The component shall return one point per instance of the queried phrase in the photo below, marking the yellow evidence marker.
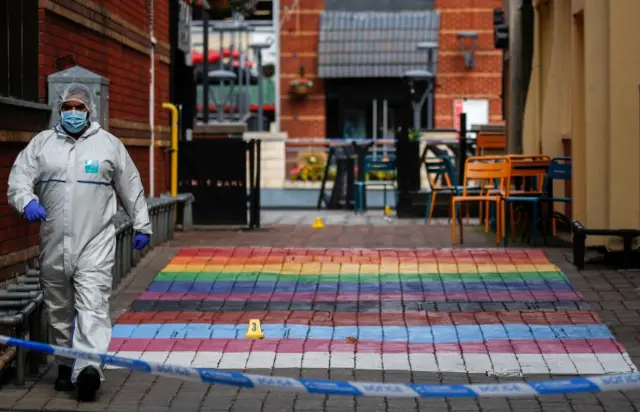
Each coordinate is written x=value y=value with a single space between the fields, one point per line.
x=254 y=331
x=318 y=224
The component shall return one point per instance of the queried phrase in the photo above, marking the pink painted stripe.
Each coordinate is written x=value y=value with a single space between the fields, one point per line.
x=354 y=297
x=325 y=345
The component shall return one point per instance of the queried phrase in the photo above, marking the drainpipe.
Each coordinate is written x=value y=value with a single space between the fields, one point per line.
x=152 y=98
x=276 y=27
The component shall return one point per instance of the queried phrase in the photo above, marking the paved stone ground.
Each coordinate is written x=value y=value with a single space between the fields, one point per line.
x=611 y=293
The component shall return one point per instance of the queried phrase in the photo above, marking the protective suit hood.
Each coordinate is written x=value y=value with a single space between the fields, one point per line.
x=94 y=128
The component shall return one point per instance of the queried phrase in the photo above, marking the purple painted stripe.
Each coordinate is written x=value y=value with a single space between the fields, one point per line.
x=354 y=296
x=325 y=345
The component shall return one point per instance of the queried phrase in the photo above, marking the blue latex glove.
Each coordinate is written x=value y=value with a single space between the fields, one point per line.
x=140 y=241
x=34 y=211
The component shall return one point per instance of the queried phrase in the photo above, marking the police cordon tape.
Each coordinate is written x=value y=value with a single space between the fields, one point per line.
x=329 y=387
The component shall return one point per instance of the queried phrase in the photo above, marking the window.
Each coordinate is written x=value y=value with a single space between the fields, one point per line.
x=19 y=49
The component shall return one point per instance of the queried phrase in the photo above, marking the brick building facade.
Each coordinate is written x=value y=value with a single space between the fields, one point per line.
x=299 y=38
x=108 y=37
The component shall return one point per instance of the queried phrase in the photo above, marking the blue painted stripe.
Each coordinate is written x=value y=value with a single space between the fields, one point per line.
x=227 y=286
x=413 y=334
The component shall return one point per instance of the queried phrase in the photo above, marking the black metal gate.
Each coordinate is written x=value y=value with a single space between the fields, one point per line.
x=215 y=171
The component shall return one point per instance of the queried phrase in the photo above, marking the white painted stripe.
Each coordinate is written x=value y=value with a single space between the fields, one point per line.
x=207 y=360
x=556 y=364
x=234 y=360
x=504 y=362
x=396 y=361
x=317 y=360
x=584 y=364
x=288 y=360
x=531 y=364
x=477 y=362
x=559 y=363
x=614 y=363
x=451 y=362
x=367 y=361
x=179 y=358
x=261 y=360
x=348 y=361
x=423 y=362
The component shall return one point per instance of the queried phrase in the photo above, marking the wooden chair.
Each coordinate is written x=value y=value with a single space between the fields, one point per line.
x=489 y=140
x=494 y=168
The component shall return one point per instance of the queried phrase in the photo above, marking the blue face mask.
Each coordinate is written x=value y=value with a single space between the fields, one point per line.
x=74 y=121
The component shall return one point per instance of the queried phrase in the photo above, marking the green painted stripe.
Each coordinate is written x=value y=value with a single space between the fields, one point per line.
x=374 y=278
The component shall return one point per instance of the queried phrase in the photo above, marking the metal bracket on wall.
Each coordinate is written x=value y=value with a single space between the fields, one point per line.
x=288 y=11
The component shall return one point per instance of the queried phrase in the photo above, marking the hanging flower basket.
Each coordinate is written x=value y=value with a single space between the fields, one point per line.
x=268 y=70
x=301 y=87
x=243 y=7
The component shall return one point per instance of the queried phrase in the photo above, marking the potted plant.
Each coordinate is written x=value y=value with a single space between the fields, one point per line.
x=301 y=87
x=243 y=7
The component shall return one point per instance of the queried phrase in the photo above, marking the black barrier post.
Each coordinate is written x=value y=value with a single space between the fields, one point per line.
x=252 y=183
x=322 y=197
x=205 y=66
x=361 y=151
x=462 y=148
x=258 y=185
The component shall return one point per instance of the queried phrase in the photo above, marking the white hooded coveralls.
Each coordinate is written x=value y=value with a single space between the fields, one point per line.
x=76 y=181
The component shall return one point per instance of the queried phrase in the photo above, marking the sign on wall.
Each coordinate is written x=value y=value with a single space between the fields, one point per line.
x=477 y=111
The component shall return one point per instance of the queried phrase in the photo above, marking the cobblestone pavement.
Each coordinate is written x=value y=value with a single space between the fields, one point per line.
x=586 y=299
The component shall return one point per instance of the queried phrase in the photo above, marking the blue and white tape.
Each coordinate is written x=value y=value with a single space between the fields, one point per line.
x=328 y=387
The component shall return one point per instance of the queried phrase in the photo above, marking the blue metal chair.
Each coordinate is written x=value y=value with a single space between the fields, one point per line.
x=375 y=163
x=559 y=169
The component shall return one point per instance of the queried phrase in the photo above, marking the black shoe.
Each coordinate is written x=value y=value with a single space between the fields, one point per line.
x=63 y=381
x=88 y=384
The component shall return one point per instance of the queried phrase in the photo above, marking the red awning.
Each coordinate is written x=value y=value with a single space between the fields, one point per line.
x=214 y=55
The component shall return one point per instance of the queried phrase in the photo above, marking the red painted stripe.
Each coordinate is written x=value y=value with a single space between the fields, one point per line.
x=294 y=296
x=573 y=346
x=274 y=255
x=367 y=319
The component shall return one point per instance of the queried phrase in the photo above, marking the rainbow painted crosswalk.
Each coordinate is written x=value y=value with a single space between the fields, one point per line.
x=470 y=311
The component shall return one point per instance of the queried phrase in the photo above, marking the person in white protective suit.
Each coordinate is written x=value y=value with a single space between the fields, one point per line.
x=68 y=178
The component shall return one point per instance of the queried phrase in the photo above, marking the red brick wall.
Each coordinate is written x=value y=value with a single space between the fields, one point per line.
x=299 y=44
x=127 y=69
x=299 y=38
x=62 y=33
x=15 y=234
x=454 y=79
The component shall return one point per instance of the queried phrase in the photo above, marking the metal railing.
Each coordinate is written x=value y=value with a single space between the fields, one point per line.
x=299 y=150
x=21 y=302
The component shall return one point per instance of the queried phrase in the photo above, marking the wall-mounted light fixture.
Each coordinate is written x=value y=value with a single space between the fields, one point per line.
x=468 y=41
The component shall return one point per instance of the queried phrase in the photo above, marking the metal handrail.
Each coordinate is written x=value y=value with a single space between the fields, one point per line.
x=21 y=302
